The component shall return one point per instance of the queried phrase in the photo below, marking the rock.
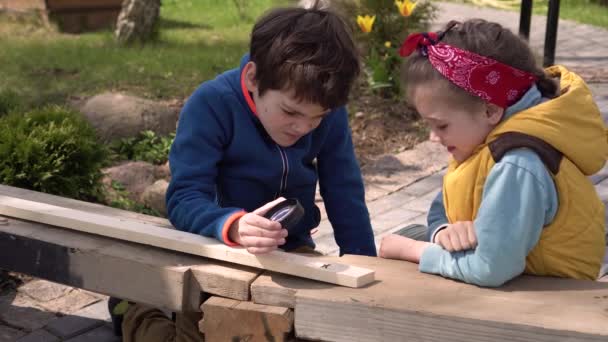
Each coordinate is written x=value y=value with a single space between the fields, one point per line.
x=44 y=291
x=163 y=171
x=18 y=310
x=9 y=334
x=154 y=196
x=115 y=115
x=134 y=176
x=71 y=302
x=137 y=20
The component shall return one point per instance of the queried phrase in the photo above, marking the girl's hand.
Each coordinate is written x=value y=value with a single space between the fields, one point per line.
x=256 y=233
x=459 y=236
x=399 y=247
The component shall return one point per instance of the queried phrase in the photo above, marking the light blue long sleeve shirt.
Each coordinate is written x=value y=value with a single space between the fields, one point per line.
x=519 y=199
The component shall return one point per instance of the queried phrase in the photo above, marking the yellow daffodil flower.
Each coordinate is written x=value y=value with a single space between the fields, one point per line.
x=387 y=44
x=406 y=7
x=366 y=22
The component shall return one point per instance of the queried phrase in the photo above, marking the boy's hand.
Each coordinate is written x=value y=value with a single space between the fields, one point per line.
x=395 y=246
x=257 y=233
x=459 y=236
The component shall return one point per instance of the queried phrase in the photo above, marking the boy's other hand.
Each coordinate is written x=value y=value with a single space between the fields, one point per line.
x=256 y=233
x=459 y=236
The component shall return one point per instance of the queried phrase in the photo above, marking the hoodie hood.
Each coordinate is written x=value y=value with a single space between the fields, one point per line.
x=571 y=123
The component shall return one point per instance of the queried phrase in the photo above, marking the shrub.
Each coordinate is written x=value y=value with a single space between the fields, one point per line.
x=147 y=146
x=381 y=39
x=9 y=101
x=53 y=150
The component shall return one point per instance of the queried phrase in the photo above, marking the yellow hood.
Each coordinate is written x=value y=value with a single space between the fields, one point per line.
x=571 y=123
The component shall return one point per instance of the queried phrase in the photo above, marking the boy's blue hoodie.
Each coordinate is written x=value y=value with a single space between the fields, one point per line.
x=223 y=162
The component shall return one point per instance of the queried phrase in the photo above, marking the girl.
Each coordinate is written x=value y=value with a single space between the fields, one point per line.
x=516 y=197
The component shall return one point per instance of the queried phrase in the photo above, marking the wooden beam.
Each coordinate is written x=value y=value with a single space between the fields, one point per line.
x=232 y=320
x=144 y=274
x=408 y=305
x=154 y=235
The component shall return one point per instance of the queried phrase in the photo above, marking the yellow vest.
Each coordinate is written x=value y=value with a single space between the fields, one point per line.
x=573 y=244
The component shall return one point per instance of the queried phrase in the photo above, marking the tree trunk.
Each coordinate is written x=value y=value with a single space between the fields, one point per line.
x=137 y=21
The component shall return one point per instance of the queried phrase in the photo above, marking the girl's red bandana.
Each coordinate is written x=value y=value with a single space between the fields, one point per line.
x=481 y=76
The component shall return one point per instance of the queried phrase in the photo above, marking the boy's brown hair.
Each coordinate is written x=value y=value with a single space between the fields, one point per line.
x=483 y=38
x=310 y=51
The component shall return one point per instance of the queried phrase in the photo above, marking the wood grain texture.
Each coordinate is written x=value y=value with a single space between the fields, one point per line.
x=231 y=320
x=404 y=304
x=150 y=234
x=140 y=273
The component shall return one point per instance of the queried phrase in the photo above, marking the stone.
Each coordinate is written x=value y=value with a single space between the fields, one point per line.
x=116 y=115
x=137 y=20
x=97 y=311
x=44 y=291
x=9 y=334
x=19 y=310
x=154 y=196
x=135 y=176
x=71 y=302
x=163 y=171
x=394 y=172
x=72 y=325
x=39 y=335
x=102 y=334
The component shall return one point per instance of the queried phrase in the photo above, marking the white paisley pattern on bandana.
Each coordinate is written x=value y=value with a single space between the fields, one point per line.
x=481 y=76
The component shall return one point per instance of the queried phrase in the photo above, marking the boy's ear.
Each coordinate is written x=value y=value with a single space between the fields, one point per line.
x=250 y=80
x=494 y=113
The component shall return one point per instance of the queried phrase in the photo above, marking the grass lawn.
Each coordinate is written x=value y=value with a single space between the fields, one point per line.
x=582 y=11
x=198 y=39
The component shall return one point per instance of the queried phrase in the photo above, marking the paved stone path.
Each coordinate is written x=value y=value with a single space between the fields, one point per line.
x=399 y=189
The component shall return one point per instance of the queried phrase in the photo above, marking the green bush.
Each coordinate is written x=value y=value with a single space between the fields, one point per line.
x=382 y=63
x=147 y=146
x=53 y=150
x=9 y=101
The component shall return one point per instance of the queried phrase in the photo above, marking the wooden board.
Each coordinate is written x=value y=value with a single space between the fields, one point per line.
x=405 y=304
x=232 y=320
x=144 y=274
x=153 y=235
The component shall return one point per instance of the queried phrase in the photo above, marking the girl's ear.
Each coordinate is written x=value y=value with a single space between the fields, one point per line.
x=494 y=113
x=250 y=81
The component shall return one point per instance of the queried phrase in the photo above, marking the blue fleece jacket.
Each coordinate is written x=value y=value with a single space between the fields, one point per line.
x=223 y=162
x=519 y=199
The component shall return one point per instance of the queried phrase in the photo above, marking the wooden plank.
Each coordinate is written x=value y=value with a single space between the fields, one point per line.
x=405 y=304
x=42 y=197
x=140 y=273
x=150 y=234
x=231 y=320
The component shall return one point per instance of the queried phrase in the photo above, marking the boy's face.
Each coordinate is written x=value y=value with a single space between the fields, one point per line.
x=285 y=118
x=457 y=127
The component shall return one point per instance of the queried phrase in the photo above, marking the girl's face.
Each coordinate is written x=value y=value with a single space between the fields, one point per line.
x=458 y=127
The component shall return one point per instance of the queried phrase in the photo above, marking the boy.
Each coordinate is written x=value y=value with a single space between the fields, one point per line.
x=266 y=131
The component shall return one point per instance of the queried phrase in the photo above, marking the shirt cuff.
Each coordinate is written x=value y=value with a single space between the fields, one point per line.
x=227 y=225
x=430 y=259
x=442 y=227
